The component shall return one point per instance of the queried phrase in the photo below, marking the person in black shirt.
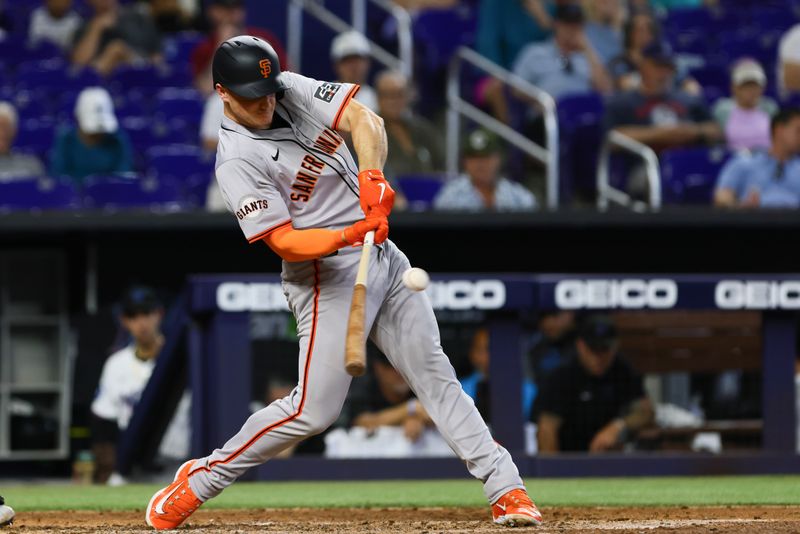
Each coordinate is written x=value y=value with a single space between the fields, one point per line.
x=594 y=401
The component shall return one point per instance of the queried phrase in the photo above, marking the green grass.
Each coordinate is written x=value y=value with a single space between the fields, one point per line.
x=740 y=490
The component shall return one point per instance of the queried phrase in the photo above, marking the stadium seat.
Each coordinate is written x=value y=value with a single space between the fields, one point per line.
x=35 y=135
x=688 y=175
x=178 y=49
x=38 y=194
x=130 y=191
x=580 y=122
x=178 y=103
x=187 y=167
x=419 y=189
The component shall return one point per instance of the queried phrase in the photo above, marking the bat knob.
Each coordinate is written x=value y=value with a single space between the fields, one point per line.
x=355 y=368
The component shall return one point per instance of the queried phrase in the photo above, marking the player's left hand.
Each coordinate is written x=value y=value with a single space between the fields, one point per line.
x=375 y=194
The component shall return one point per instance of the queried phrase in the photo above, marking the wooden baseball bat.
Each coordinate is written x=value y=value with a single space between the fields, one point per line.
x=355 y=349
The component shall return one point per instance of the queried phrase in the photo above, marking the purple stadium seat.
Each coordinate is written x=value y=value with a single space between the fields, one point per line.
x=178 y=49
x=441 y=31
x=419 y=189
x=712 y=77
x=130 y=191
x=186 y=166
x=176 y=103
x=688 y=175
x=38 y=194
x=35 y=135
x=689 y=18
x=580 y=121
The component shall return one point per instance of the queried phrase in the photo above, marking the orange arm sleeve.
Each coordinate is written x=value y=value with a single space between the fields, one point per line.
x=302 y=245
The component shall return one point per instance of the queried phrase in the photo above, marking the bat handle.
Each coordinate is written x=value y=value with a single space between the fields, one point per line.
x=355 y=352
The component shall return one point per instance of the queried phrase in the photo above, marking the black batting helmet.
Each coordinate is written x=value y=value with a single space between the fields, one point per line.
x=247 y=66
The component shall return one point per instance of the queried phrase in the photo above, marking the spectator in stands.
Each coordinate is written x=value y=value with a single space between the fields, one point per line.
x=414 y=143
x=766 y=179
x=604 y=27
x=789 y=61
x=14 y=165
x=657 y=115
x=124 y=377
x=745 y=118
x=476 y=385
x=169 y=16
x=226 y=18
x=594 y=402
x=481 y=188
x=97 y=145
x=213 y=111
x=552 y=344
x=54 y=22
x=639 y=31
x=116 y=36
x=666 y=5
x=567 y=63
x=505 y=27
x=351 y=63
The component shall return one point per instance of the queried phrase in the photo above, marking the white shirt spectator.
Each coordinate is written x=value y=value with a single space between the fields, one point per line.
x=45 y=27
x=460 y=194
x=121 y=384
x=213 y=112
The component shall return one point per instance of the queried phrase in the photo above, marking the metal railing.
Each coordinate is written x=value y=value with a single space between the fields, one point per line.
x=458 y=106
x=404 y=61
x=606 y=193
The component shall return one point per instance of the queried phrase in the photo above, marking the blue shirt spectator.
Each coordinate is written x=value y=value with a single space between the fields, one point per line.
x=97 y=145
x=604 y=29
x=481 y=188
x=505 y=27
x=765 y=179
x=567 y=63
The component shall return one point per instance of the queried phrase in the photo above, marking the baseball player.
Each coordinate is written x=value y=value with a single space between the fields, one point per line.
x=286 y=174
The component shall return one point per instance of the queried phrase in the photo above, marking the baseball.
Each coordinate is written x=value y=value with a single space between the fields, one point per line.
x=6 y=515
x=416 y=279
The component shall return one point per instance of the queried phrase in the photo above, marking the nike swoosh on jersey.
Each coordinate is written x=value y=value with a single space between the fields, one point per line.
x=160 y=504
x=275 y=157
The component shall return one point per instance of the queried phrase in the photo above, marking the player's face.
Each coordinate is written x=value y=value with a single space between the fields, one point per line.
x=143 y=327
x=596 y=362
x=255 y=113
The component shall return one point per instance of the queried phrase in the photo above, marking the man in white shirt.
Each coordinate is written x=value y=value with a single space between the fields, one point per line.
x=125 y=375
x=55 y=22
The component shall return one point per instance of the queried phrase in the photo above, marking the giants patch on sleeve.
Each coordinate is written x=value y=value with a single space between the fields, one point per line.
x=327 y=91
x=249 y=207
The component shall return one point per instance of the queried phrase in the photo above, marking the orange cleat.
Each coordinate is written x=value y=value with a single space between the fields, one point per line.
x=516 y=509
x=172 y=505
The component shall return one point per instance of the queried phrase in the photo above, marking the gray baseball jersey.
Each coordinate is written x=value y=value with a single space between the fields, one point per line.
x=299 y=172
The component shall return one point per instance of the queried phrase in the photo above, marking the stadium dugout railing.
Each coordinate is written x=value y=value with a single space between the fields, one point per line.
x=608 y=194
x=403 y=61
x=457 y=106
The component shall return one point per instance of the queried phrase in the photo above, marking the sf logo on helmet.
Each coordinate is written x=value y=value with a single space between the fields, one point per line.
x=266 y=67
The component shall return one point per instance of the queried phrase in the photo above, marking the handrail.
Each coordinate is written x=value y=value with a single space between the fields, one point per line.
x=606 y=193
x=403 y=63
x=458 y=106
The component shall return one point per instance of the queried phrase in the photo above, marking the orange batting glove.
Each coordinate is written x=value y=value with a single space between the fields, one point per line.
x=376 y=196
x=354 y=234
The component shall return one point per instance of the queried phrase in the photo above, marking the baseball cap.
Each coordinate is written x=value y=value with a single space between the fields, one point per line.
x=480 y=142
x=660 y=52
x=748 y=70
x=350 y=43
x=597 y=330
x=139 y=300
x=569 y=13
x=95 y=111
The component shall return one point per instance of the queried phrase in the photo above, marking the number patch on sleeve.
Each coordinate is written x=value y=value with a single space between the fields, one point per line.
x=327 y=91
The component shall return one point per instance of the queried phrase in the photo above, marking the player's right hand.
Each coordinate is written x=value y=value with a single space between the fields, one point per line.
x=354 y=234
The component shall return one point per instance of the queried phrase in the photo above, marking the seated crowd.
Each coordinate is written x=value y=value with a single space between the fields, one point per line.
x=143 y=69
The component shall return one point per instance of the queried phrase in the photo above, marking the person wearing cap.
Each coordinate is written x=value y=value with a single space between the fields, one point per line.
x=14 y=165
x=745 y=118
x=765 y=178
x=125 y=375
x=481 y=188
x=351 y=63
x=656 y=114
x=226 y=19
x=789 y=61
x=567 y=63
x=97 y=145
x=414 y=143
x=595 y=401
x=115 y=36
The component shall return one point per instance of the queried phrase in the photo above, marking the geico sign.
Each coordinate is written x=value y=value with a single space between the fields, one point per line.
x=467 y=295
x=608 y=294
x=757 y=295
x=238 y=296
